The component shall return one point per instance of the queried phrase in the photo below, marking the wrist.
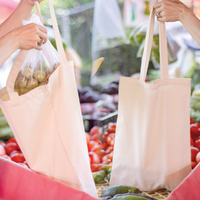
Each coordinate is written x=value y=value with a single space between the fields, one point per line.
x=185 y=14
x=12 y=40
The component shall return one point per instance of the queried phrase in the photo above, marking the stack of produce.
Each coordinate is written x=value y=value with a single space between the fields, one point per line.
x=195 y=142
x=11 y=151
x=100 y=144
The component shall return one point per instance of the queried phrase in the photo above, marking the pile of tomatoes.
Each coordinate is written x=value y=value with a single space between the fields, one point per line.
x=100 y=144
x=11 y=151
x=194 y=142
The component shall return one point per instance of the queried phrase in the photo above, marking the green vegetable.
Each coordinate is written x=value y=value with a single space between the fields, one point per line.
x=99 y=177
x=3 y=121
x=132 y=196
x=108 y=176
x=195 y=103
x=119 y=189
x=5 y=131
x=129 y=198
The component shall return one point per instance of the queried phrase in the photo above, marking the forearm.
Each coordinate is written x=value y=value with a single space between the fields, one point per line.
x=8 y=46
x=192 y=24
x=22 y=11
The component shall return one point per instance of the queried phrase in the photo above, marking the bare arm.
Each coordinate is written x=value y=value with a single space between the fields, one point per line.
x=171 y=11
x=22 y=11
x=24 y=37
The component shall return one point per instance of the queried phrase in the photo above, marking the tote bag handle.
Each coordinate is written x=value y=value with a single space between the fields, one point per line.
x=61 y=51
x=23 y=53
x=148 y=45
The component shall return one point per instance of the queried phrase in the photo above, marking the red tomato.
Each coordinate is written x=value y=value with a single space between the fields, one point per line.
x=94 y=167
x=198 y=157
x=104 y=136
x=196 y=137
x=198 y=125
x=192 y=121
x=106 y=157
x=191 y=142
x=90 y=159
x=194 y=129
x=197 y=144
x=112 y=127
x=96 y=137
x=109 y=149
x=99 y=142
x=99 y=151
x=111 y=139
x=87 y=137
x=111 y=153
x=26 y=164
x=6 y=156
x=12 y=140
x=15 y=151
x=11 y=146
x=107 y=161
x=193 y=164
x=2 y=143
x=2 y=150
x=99 y=167
x=91 y=144
x=105 y=145
x=95 y=130
x=194 y=152
x=17 y=157
x=94 y=158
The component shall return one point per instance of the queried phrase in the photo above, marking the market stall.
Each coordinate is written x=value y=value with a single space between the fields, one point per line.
x=132 y=133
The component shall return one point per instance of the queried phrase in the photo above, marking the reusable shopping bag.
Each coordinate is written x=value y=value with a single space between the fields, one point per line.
x=152 y=144
x=47 y=123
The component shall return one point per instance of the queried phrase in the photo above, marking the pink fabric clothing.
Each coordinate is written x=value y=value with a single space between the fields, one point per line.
x=20 y=183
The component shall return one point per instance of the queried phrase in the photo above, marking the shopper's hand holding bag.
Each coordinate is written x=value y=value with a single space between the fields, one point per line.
x=152 y=144
x=47 y=123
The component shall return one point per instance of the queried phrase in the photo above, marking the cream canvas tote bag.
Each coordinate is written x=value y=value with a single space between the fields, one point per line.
x=47 y=123
x=152 y=144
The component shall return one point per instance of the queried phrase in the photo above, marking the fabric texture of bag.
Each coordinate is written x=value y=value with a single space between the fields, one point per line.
x=47 y=123
x=152 y=144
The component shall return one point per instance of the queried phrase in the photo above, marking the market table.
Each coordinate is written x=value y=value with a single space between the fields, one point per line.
x=18 y=182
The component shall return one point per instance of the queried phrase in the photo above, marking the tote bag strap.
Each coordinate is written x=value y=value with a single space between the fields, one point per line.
x=148 y=45
x=61 y=51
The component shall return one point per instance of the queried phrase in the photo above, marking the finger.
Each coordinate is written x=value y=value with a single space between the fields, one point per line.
x=160 y=19
x=158 y=5
x=38 y=47
x=42 y=36
x=42 y=28
x=158 y=10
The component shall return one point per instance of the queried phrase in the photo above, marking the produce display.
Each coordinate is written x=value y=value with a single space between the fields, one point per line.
x=11 y=151
x=122 y=192
x=100 y=144
x=195 y=142
x=29 y=78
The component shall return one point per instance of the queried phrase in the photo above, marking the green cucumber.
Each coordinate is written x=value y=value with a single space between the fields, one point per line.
x=131 y=195
x=118 y=189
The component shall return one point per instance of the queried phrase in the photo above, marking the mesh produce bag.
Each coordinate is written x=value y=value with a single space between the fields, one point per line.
x=38 y=65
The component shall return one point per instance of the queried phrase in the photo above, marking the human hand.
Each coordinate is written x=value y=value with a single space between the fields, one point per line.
x=170 y=10
x=31 y=2
x=30 y=36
